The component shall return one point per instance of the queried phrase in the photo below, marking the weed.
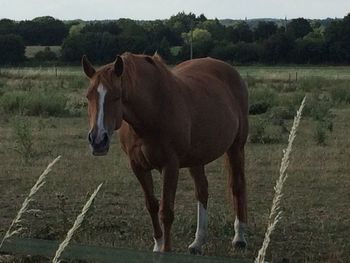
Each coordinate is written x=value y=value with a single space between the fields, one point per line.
x=320 y=133
x=261 y=131
x=341 y=94
x=319 y=106
x=23 y=138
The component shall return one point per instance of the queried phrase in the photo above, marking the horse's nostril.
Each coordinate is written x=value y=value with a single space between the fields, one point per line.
x=105 y=138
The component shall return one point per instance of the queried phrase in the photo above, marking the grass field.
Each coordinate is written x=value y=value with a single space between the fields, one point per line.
x=316 y=211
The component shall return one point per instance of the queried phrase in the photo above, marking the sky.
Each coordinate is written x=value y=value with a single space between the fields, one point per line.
x=161 y=9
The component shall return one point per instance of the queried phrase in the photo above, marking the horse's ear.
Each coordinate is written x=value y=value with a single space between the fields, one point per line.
x=88 y=68
x=119 y=66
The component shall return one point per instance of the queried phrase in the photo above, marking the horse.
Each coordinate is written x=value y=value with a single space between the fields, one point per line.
x=168 y=119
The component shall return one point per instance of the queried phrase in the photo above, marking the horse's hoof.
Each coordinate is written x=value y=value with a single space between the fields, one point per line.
x=195 y=250
x=239 y=245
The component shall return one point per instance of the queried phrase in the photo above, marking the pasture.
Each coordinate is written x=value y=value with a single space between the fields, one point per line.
x=43 y=115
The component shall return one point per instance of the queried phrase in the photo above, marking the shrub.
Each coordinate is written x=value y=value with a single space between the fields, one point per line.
x=46 y=55
x=34 y=103
x=261 y=100
x=319 y=107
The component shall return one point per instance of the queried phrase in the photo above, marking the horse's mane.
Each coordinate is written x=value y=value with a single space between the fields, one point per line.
x=156 y=60
x=130 y=65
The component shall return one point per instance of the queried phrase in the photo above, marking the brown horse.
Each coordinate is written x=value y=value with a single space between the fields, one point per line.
x=186 y=117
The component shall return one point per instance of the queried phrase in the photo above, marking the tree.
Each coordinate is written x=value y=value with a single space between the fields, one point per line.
x=111 y=27
x=278 y=48
x=157 y=31
x=133 y=36
x=7 y=26
x=99 y=47
x=298 y=28
x=12 y=49
x=223 y=50
x=164 y=49
x=310 y=51
x=337 y=37
x=76 y=29
x=264 y=30
x=202 y=42
x=215 y=28
x=182 y=22
x=241 y=32
x=247 y=52
x=46 y=31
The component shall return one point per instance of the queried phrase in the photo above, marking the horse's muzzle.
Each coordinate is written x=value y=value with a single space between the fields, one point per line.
x=99 y=147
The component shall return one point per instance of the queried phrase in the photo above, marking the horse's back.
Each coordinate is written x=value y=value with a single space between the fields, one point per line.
x=210 y=74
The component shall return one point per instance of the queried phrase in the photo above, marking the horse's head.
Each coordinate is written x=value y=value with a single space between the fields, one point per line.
x=104 y=103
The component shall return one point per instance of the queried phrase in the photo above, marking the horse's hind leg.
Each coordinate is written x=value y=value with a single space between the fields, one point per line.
x=152 y=204
x=201 y=191
x=237 y=190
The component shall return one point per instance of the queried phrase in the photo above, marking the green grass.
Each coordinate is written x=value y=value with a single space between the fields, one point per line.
x=316 y=215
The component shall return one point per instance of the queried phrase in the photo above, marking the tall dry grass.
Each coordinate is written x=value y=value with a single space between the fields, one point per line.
x=275 y=213
x=15 y=227
x=75 y=226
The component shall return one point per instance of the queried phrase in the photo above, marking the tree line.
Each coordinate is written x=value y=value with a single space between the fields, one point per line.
x=297 y=41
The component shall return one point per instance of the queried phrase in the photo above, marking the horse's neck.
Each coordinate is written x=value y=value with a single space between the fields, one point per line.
x=148 y=99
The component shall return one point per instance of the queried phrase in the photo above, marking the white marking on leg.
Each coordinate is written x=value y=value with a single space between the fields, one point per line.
x=202 y=229
x=100 y=122
x=158 y=243
x=239 y=231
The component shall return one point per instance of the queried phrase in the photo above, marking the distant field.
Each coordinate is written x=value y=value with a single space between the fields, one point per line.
x=316 y=211
x=32 y=50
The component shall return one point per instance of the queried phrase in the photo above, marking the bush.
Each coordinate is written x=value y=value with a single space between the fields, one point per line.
x=261 y=100
x=34 y=103
x=46 y=55
x=318 y=107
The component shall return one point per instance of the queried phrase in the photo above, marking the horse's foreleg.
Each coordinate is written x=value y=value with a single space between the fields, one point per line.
x=146 y=181
x=237 y=188
x=170 y=173
x=201 y=191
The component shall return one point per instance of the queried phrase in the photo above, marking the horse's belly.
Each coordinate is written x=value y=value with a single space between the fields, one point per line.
x=210 y=139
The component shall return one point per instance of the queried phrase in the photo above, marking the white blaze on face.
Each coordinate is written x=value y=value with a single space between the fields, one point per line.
x=100 y=116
